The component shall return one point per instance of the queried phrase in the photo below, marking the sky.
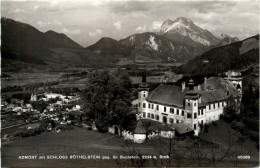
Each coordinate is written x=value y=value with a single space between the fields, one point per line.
x=86 y=21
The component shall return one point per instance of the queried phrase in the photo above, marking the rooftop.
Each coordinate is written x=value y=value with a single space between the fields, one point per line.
x=215 y=89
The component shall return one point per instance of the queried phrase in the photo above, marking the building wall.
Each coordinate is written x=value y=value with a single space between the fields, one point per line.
x=172 y=114
x=214 y=110
x=139 y=138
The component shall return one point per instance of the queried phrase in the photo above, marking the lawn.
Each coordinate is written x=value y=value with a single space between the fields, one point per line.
x=220 y=133
x=79 y=141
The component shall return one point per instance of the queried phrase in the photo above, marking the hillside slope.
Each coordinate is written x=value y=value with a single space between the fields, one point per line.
x=237 y=55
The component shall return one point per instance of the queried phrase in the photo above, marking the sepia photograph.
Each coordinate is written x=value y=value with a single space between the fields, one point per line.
x=129 y=83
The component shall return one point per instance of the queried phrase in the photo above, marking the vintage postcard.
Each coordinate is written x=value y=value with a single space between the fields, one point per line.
x=120 y=83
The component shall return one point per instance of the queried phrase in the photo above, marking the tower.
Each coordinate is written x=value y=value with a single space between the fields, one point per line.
x=143 y=91
x=34 y=95
x=191 y=106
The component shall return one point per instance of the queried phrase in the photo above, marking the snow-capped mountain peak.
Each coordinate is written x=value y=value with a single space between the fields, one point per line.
x=166 y=24
x=185 y=28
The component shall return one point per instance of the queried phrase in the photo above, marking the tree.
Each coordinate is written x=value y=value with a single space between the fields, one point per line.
x=107 y=99
x=230 y=111
x=53 y=125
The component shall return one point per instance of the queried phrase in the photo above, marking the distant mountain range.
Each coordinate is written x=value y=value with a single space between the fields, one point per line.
x=178 y=41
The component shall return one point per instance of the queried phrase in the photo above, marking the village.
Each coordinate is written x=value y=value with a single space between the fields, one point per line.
x=58 y=108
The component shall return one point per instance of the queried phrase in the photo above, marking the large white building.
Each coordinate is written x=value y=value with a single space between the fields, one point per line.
x=171 y=104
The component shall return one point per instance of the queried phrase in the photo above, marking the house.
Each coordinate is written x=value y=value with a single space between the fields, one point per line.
x=139 y=132
x=193 y=106
x=235 y=78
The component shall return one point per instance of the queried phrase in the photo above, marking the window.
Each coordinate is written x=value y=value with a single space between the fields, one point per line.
x=222 y=104
x=188 y=104
x=144 y=114
x=171 y=121
x=209 y=106
x=152 y=116
x=164 y=120
x=157 y=107
x=201 y=122
x=177 y=121
x=199 y=113
x=152 y=106
x=188 y=115
x=157 y=117
x=149 y=105
x=202 y=112
x=218 y=105
x=172 y=110
x=148 y=115
x=182 y=113
x=195 y=115
x=144 y=105
x=144 y=95
x=139 y=104
x=195 y=126
x=177 y=111
x=194 y=104
x=214 y=106
x=164 y=109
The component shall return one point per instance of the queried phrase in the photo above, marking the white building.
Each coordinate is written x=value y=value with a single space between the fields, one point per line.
x=171 y=104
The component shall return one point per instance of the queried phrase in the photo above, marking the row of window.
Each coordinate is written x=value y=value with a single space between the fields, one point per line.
x=151 y=106
x=201 y=112
x=157 y=117
x=170 y=120
x=152 y=116
x=189 y=115
x=218 y=105
x=190 y=103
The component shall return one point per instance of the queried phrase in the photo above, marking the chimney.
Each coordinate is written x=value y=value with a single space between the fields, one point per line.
x=205 y=83
x=205 y=80
x=144 y=79
x=227 y=86
x=183 y=86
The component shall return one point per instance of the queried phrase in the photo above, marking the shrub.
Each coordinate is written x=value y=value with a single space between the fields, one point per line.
x=89 y=128
x=64 y=127
x=206 y=128
x=28 y=133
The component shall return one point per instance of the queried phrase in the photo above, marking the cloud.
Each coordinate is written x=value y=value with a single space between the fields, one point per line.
x=129 y=6
x=135 y=16
x=69 y=31
x=96 y=32
x=41 y=23
x=141 y=28
x=16 y=11
x=47 y=23
x=156 y=25
x=118 y=24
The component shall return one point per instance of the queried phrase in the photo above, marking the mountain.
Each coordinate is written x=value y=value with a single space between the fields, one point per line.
x=185 y=31
x=179 y=40
x=238 y=55
x=23 y=42
x=226 y=39
x=152 y=47
x=109 y=46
